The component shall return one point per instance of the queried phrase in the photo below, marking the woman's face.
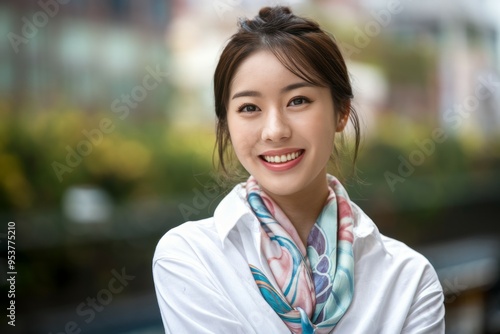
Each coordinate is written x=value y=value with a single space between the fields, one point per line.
x=281 y=127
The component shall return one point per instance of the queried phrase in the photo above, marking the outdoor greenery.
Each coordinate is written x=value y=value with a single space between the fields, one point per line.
x=137 y=158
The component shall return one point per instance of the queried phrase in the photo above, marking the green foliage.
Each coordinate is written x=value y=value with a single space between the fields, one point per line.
x=137 y=158
x=441 y=174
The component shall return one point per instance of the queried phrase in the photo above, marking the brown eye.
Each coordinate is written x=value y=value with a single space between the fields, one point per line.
x=298 y=101
x=247 y=108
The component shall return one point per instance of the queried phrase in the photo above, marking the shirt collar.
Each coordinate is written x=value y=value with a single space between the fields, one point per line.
x=234 y=208
x=364 y=227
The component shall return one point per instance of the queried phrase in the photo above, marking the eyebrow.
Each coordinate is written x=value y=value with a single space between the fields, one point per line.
x=283 y=90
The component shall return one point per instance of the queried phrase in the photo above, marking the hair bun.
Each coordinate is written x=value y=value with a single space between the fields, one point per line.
x=266 y=13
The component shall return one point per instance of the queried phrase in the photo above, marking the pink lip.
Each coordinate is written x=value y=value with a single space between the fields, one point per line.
x=282 y=166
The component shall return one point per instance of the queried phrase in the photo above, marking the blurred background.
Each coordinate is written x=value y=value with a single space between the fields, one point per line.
x=107 y=132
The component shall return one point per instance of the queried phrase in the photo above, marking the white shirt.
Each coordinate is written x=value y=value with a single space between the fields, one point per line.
x=204 y=285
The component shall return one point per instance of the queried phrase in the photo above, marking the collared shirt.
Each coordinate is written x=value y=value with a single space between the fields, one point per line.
x=204 y=285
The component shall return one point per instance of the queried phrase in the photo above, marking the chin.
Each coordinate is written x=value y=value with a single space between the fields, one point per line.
x=280 y=185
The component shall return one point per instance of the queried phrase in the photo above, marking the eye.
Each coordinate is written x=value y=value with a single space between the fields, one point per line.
x=248 y=108
x=298 y=101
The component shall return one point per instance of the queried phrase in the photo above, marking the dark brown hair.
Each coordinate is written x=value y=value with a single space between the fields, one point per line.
x=301 y=46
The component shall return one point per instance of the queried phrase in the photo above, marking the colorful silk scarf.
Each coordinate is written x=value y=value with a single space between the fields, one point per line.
x=309 y=289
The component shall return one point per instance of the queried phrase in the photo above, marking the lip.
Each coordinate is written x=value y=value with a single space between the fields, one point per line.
x=282 y=166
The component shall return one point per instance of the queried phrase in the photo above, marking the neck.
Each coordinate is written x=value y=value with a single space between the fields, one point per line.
x=304 y=207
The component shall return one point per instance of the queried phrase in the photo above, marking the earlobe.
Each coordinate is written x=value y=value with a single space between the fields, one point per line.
x=342 y=122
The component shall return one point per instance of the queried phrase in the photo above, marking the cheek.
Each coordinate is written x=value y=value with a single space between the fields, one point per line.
x=322 y=129
x=240 y=135
x=327 y=139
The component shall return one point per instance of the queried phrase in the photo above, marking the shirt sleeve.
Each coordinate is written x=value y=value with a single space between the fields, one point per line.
x=190 y=301
x=426 y=314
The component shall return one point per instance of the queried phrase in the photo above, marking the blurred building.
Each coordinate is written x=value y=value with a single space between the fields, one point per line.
x=461 y=90
x=82 y=53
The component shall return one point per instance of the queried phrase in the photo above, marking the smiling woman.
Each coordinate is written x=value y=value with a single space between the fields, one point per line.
x=287 y=251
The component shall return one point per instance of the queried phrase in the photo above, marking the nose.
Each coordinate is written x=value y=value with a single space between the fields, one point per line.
x=276 y=127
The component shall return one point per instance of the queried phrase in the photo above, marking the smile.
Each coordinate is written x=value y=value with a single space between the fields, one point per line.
x=279 y=159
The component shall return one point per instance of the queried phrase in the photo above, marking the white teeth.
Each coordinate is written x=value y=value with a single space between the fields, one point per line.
x=281 y=158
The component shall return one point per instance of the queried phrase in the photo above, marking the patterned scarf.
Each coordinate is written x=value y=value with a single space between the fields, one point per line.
x=309 y=289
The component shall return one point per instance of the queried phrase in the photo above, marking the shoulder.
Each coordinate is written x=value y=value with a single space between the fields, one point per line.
x=203 y=240
x=403 y=253
x=186 y=240
x=392 y=258
x=410 y=263
x=399 y=278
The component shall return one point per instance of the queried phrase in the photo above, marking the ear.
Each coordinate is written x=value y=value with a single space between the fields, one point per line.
x=343 y=118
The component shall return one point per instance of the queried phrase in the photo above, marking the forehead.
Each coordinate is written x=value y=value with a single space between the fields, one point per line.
x=261 y=65
x=264 y=65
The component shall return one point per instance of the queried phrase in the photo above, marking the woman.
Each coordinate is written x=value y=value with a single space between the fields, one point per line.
x=287 y=251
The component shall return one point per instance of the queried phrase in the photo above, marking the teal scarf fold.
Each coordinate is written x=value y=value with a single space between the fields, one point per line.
x=310 y=289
